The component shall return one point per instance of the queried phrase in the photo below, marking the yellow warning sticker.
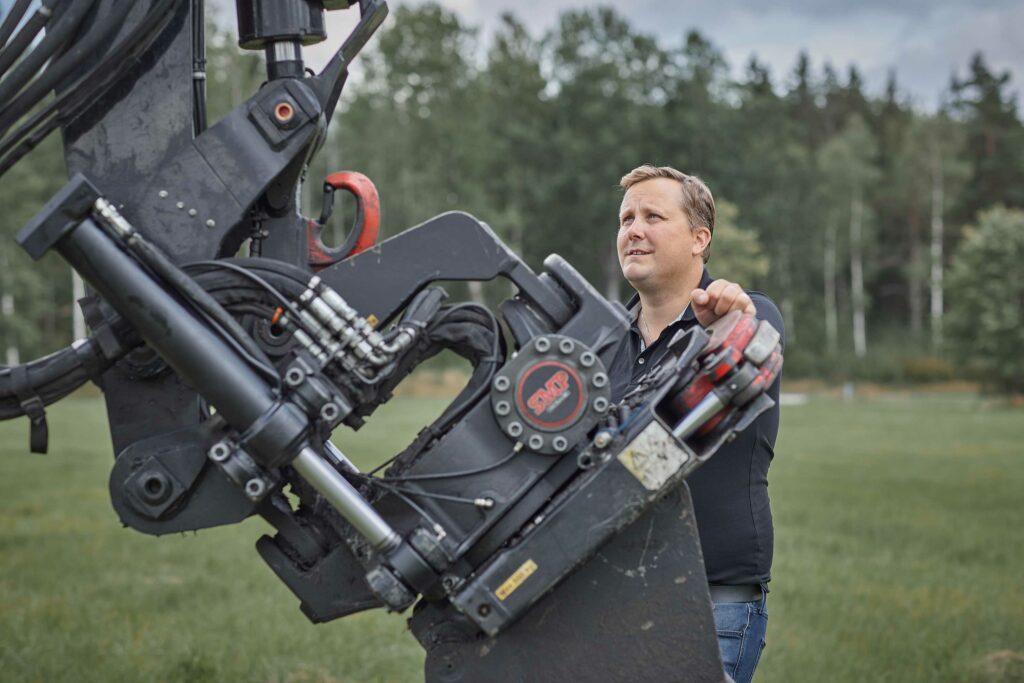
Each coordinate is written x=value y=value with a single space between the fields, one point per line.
x=516 y=580
x=372 y=319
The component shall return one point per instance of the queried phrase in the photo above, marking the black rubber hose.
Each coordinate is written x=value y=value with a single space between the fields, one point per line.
x=87 y=89
x=26 y=35
x=55 y=376
x=96 y=39
x=58 y=35
x=198 y=67
x=12 y=20
x=290 y=281
x=194 y=294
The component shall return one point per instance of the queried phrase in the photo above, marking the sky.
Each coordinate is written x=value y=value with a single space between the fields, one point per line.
x=924 y=41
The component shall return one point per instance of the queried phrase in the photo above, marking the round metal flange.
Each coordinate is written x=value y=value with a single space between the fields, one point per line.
x=551 y=394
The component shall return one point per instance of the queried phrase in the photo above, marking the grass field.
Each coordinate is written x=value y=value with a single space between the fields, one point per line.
x=899 y=555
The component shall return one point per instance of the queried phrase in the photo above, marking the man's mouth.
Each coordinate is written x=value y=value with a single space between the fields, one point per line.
x=636 y=252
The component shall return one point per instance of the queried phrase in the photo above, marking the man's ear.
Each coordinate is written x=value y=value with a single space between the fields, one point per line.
x=701 y=240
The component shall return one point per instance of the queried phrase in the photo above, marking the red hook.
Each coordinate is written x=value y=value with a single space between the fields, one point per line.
x=365 y=229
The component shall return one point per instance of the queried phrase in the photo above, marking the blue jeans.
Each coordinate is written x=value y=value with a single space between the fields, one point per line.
x=741 y=628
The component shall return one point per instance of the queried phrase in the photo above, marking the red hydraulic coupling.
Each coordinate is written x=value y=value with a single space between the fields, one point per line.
x=739 y=363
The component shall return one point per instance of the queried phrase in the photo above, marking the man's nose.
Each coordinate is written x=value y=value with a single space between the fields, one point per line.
x=636 y=230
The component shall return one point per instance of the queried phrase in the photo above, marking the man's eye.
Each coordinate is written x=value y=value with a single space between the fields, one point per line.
x=654 y=217
x=626 y=222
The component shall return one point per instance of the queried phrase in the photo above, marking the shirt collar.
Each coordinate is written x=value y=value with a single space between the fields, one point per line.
x=633 y=305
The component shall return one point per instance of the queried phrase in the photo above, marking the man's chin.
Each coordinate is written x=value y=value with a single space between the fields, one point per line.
x=635 y=276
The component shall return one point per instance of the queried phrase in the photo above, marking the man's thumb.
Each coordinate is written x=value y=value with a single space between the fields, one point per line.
x=699 y=297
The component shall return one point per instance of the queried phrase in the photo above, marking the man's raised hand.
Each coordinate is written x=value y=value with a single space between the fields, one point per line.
x=720 y=298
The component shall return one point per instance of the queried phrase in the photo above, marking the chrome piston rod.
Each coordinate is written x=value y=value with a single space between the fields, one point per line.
x=346 y=500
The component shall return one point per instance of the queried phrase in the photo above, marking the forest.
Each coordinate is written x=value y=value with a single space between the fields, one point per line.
x=889 y=234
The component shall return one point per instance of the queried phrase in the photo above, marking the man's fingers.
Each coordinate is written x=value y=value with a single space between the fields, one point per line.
x=727 y=299
x=715 y=288
x=708 y=298
x=720 y=297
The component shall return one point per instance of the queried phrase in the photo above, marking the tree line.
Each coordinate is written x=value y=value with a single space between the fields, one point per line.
x=848 y=208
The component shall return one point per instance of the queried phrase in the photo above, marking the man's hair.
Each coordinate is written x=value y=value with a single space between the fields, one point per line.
x=698 y=204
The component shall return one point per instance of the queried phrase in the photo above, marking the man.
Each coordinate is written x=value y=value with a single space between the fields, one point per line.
x=666 y=223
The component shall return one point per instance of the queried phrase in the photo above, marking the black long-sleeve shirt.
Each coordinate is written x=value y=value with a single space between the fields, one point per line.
x=730 y=491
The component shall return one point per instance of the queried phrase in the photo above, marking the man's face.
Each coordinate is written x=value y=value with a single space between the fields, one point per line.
x=655 y=243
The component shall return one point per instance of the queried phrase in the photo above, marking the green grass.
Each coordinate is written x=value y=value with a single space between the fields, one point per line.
x=899 y=548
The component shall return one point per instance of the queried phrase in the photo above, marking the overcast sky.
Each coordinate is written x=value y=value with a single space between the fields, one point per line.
x=925 y=41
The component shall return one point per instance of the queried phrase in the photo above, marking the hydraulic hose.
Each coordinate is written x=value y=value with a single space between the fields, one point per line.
x=57 y=36
x=12 y=20
x=26 y=35
x=193 y=293
x=55 y=376
x=87 y=88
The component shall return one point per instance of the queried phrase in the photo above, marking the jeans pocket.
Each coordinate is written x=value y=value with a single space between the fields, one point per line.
x=732 y=619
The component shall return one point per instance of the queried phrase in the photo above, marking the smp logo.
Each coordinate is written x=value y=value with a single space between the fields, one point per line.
x=549 y=395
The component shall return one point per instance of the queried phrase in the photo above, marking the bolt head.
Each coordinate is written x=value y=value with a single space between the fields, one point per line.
x=254 y=488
